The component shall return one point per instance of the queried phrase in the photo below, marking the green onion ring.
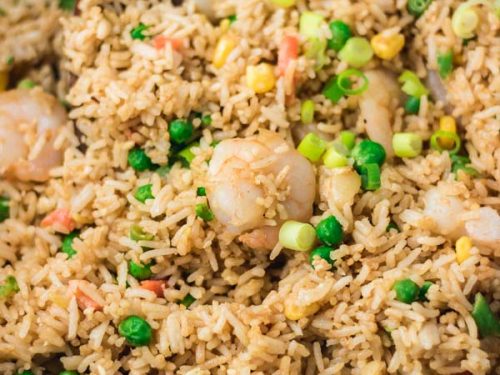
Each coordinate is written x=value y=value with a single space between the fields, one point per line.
x=346 y=75
x=444 y=134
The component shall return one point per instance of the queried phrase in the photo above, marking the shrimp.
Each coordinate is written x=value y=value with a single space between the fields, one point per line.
x=377 y=105
x=235 y=193
x=339 y=186
x=29 y=117
x=451 y=218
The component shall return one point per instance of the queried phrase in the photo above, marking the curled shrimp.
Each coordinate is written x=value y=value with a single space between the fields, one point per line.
x=451 y=218
x=237 y=193
x=29 y=123
x=377 y=105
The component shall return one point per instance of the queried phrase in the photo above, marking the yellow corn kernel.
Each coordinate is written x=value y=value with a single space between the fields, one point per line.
x=59 y=300
x=260 y=78
x=462 y=248
x=224 y=25
x=224 y=47
x=387 y=46
x=447 y=123
x=4 y=80
x=294 y=312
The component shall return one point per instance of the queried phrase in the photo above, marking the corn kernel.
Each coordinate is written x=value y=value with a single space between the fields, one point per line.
x=59 y=300
x=4 y=80
x=224 y=25
x=224 y=47
x=260 y=78
x=462 y=248
x=447 y=123
x=387 y=46
x=294 y=312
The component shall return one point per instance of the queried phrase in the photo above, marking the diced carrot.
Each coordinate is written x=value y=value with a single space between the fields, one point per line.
x=83 y=300
x=288 y=51
x=160 y=41
x=60 y=220
x=155 y=286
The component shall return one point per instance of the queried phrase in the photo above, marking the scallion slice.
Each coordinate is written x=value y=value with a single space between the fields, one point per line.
x=449 y=135
x=407 y=145
x=297 y=236
x=370 y=176
x=346 y=84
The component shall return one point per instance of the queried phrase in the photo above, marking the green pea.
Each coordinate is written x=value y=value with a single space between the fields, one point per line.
x=180 y=131
x=329 y=231
x=136 y=331
x=406 y=290
x=144 y=193
x=67 y=244
x=487 y=323
x=368 y=152
x=340 y=34
x=412 y=105
x=4 y=208
x=422 y=293
x=138 y=160
x=322 y=252
x=138 y=271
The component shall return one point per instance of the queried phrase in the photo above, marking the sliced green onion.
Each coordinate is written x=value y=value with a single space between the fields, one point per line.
x=412 y=85
x=422 y=293
x=163 y=170
x=391 y=225
x=310 y=24
x=307 y=111
x=340 y=35
x=204 y=212
x=332 y=90
x=445 y=64
x=67 y=244
x=26 y=84
x=465 y=169
x=412 y=105
x=138 y=234
x=137 y=32
x=9 y=288
x=201 y=191
x=188 y=300
x=487 y=323
x=418 y=7
x=347 y=76
x=232 y=18
x=4 y=208
x=206 y=120
x=316 y=49
x=297 y=236
x=187 y=154
x=407 y=145
x=336 y=156
x=464 y=21
x=370 y=176
x=348 y=139
x=312 y=147
x=144 y=193
x=10 y=60
x=67 y=4
x=356 y=52
x=444 y=134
